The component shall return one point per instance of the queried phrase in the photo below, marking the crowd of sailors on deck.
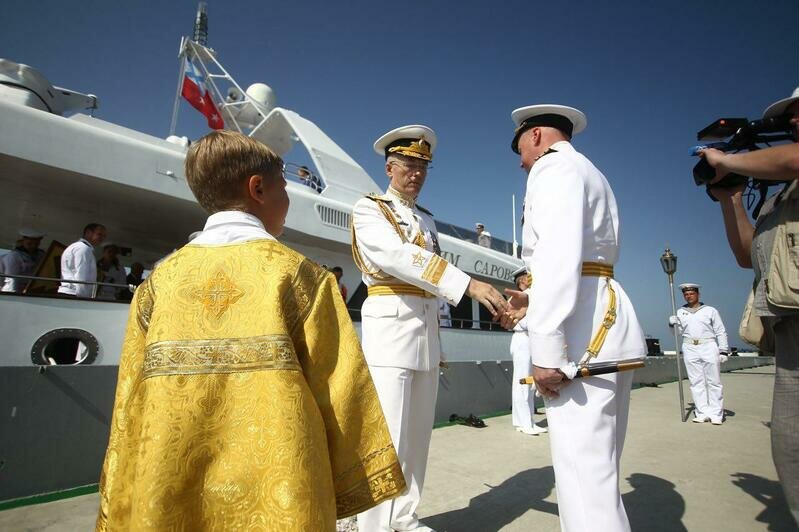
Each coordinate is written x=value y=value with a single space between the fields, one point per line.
x=82 y=274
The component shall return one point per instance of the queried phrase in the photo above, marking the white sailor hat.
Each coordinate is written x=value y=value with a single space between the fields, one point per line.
x=519 y=272
x=27 y=232
x=690 y=286
x=413 y=141
x=780 y=106
x=567 y=119
x=479 y=224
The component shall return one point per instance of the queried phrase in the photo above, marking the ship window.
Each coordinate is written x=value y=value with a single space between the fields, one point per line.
x=61 y=347
x=462 y=313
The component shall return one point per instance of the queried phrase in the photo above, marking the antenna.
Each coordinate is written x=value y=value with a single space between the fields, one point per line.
x=201 y=24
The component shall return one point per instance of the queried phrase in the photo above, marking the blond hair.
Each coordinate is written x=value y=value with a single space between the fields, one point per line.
x=219 y=164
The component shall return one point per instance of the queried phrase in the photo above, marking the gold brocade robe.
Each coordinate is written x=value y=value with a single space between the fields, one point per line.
x=243 y=401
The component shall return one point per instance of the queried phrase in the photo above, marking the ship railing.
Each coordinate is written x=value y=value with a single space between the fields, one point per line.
x=304 y=176
x=59 y=280
x=456 y=323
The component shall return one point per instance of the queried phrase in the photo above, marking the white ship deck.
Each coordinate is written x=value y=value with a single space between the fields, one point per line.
x=675 y=476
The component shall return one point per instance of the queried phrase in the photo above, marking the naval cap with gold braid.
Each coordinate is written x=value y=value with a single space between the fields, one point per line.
x=412 y=141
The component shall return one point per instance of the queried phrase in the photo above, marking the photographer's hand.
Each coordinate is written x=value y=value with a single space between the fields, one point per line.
x=777 y=163
x=728 y=193
x=715 y=158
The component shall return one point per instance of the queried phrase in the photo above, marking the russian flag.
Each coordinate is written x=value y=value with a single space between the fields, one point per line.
x=197 y=95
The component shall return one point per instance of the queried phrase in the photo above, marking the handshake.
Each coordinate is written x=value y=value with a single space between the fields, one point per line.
x=506 y=312
x=548 y=381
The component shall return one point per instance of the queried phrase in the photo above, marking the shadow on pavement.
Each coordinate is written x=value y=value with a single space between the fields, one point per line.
x=654 y=504
x=769 y=493
x=500 y=505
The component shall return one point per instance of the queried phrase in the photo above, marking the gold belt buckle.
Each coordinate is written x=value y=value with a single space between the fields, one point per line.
x=695 y=342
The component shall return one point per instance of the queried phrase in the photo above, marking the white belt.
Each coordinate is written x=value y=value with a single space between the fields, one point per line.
x=697 y=341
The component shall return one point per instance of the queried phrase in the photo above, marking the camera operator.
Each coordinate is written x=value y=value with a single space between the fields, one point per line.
x=753 y=247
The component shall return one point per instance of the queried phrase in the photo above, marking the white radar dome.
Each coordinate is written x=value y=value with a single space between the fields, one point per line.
x=263 y=95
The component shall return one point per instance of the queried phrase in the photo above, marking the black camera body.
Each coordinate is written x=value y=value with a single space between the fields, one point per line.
x=741 y=134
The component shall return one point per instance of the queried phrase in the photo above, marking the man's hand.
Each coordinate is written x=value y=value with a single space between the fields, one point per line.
x=517 y=308
x=488 y=296
x=715 y=158
x=548 y=381
x=722 y=193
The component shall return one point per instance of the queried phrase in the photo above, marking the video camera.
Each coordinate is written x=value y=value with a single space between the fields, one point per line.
x=743 y=135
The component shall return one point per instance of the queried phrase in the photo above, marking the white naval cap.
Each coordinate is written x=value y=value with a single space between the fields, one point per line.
x=568 y=119
x=479 y=224
x=519 y=271
x=690 y=286
x=27 y=232
x=414 y=141
x=780 y=106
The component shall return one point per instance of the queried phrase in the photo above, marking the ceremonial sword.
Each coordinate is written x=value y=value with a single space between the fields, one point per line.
x=599 y=368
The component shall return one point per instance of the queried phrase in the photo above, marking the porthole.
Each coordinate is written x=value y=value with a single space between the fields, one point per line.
x=65 y=347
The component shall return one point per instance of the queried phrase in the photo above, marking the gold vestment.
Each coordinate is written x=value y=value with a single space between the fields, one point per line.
x=243 y=401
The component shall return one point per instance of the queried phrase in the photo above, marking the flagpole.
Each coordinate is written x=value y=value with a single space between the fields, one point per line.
x=182 y=72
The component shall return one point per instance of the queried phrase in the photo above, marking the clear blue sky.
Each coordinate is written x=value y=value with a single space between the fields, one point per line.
x=648 y=75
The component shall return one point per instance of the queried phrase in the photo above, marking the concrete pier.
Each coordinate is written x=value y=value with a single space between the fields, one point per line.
x=675 y=476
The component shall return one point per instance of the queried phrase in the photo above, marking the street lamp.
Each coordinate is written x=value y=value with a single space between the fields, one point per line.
x=668 y=261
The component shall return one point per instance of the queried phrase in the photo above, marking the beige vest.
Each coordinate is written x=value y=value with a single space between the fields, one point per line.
x=782 y=284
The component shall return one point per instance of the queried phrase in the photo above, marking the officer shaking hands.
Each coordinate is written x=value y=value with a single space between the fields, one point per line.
x=395 y=245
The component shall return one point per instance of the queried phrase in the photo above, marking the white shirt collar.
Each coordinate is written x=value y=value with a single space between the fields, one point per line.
x=87 y=243
x=225 y=227
x=562 y=145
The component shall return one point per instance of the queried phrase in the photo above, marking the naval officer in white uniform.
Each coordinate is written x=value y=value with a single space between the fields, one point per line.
x=704 y=348
x=395 y=245
x=577 y=313
x=522 y=396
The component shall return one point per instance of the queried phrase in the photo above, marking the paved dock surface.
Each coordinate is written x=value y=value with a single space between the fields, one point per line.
x=675 y=476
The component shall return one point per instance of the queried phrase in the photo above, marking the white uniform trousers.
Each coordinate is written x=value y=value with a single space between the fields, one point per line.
x=587 y=426
x=704 y=373
x=408 y=399
x=522 y=395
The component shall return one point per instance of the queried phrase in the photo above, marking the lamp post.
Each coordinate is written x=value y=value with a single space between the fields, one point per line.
x=669 y=263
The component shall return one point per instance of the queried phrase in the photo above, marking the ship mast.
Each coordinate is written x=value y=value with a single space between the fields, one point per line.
x=200 y=36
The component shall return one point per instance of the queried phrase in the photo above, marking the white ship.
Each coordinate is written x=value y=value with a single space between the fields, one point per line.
x=61 y=168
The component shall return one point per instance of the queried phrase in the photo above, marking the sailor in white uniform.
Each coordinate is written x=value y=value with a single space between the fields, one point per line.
x=395 y=245
x=577 y=313
x=22 y=260
x=704 y=348
x=78 y=263
x=522 y=395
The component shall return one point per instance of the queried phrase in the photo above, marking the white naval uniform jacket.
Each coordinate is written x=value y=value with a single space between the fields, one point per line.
x=570 y=217
x=402 y=330
x=705 y=326
x=78 y=263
